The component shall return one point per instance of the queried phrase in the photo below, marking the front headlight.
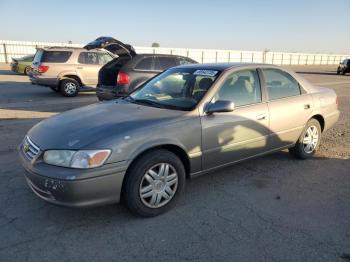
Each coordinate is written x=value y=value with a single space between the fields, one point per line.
x=76 y=159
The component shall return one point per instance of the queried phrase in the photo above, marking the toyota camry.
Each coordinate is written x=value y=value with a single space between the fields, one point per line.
x=184 y=122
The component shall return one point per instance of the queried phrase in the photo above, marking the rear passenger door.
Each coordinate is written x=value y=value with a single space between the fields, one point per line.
x=289 y=106
x=142 y=71
x=88 y=67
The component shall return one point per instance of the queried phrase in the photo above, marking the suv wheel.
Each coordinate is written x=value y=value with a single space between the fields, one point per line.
x=338 y=71
x=69 y=87
x=308 y=142
x=154 y=183
x=343 y=71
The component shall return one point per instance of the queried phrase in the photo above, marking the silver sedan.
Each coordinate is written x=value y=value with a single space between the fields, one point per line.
x=182 y=123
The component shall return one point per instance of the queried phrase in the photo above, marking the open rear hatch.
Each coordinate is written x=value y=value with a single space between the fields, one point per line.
x=107 y=76
x=112 y=45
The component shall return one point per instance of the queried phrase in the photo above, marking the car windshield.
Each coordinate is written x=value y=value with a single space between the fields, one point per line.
x=177 y=88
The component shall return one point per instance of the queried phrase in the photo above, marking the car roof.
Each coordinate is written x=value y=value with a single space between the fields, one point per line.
x=68 y=48
x=223 y=66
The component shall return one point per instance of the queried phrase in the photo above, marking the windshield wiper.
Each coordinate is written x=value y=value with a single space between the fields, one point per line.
x=147 y=102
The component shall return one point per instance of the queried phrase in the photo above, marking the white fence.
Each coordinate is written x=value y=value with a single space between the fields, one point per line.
x=9 y=49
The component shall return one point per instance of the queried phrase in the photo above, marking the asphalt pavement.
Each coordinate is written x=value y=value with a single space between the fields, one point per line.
x=273 y=208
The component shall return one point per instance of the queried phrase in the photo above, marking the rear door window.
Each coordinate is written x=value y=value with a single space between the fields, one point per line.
x=89 y=58
x=55 y=56
x=163 y=63
x=280 y=84
x=145 y=64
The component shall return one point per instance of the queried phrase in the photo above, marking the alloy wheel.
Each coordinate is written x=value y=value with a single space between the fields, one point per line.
x=158 y=185
x=310 y=140
x=70 y=88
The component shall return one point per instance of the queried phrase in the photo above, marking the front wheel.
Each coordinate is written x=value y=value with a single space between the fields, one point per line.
x=27 y=70
x=338 y=71
x=309 y=140
x=69 y=87
x=154 y=183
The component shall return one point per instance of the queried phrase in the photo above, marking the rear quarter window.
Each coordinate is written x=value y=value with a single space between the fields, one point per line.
x=55 y=56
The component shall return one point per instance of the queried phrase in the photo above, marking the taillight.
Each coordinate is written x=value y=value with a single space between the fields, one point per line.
x=123 y=78
x=42 y=69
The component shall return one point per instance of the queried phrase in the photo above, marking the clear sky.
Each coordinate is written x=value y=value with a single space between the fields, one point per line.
x=288 y=25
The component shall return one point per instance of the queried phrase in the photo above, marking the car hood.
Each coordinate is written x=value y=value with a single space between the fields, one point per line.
x=78 y=128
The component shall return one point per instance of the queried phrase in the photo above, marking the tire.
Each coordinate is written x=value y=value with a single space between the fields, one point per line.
x=55 y=89
x=343 y=72
x=301 y=149
x=338 y=71
x=69 y=87
x=139 y=179
x=26 y=70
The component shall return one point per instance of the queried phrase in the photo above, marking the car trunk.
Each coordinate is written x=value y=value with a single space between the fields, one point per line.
x=108 y=73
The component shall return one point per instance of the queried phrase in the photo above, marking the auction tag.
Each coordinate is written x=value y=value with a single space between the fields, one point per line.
x=203 y=72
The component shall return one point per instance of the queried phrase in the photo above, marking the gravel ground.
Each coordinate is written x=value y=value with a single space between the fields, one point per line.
x=273 y=208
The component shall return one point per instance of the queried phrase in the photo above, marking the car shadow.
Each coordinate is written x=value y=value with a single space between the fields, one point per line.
x=9 y=72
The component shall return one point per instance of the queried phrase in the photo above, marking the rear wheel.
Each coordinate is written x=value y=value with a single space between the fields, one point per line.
x=309 y=140
x=343 y=72
x=69 y=87
x=154 y=183
x=27 y=70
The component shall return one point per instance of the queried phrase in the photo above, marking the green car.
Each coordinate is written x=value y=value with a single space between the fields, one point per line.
x=22 y=65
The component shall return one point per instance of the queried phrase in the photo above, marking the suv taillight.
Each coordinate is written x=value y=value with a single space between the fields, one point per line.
x=123 y=78
x=42 y=69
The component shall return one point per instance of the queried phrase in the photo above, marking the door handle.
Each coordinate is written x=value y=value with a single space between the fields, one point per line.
x=80 y=67
x=261 y=117
x=307 y=106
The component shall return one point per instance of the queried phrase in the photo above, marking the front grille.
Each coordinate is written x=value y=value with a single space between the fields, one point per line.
x=30 y=150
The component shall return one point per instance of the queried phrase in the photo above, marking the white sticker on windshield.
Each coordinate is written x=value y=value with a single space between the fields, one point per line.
x=203 y=72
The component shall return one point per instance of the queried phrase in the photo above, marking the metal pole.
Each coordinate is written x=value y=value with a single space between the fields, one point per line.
x=321 y=61
x=5 y=52
x=188 y=53
x=273 y=57
x=202 y=56
x=216 y=57
x=252 y=57
x=241 y=57
x=299 y=60
x=290 y=59
x=314 y=60
x=229 y=56
x=282 y=59
x=307 y=59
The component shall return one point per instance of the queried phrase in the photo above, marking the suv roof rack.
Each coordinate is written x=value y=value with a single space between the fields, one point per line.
x=69 y=47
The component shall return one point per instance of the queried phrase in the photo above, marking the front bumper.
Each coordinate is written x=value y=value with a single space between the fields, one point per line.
x=98 y=187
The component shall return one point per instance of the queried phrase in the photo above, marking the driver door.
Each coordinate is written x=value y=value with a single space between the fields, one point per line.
x=232 y=136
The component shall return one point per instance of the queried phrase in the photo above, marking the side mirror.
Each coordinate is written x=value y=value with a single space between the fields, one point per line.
x=220 y=106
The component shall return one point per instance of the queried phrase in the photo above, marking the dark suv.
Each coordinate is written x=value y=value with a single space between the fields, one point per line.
x=129 y=70
x=344 y=67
